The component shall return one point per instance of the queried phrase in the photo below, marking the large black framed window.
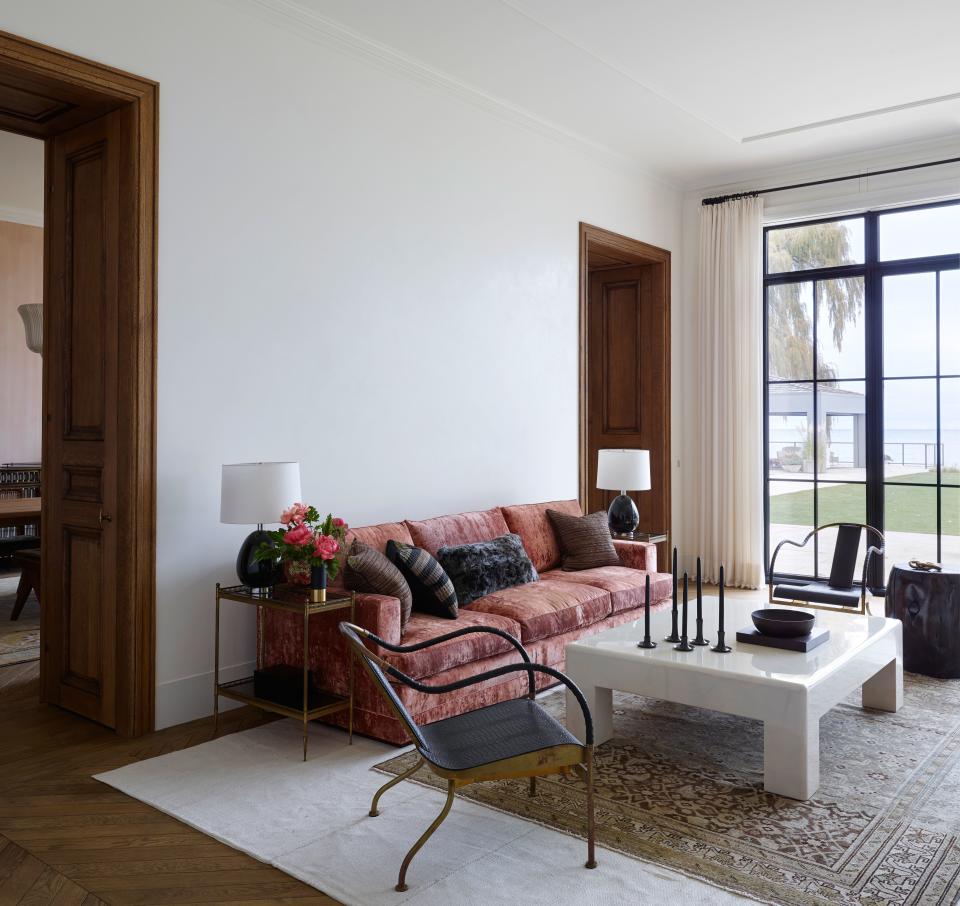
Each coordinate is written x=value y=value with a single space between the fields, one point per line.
x=862 y=401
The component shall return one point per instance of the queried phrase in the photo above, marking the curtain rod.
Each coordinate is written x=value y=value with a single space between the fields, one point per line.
x=719 y=199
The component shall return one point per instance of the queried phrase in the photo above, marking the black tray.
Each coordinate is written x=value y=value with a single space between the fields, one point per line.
x=817 y=637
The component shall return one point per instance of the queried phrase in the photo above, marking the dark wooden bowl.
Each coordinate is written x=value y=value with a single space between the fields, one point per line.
x=782 y=623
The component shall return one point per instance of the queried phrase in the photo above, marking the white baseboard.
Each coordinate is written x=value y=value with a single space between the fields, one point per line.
x=191 y=697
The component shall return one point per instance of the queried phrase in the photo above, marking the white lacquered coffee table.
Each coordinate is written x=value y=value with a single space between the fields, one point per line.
x=788 y=691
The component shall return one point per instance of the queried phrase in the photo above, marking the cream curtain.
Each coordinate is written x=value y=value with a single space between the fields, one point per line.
x=728 y=461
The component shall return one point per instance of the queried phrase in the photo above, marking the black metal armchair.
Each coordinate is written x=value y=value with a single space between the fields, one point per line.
x=839 y=592
x=510 y=739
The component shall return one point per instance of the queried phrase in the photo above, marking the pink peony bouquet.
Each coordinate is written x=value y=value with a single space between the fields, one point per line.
x=306 y=539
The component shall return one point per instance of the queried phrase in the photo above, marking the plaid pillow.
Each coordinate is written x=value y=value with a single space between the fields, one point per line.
x=368 y=570
x=432 y=589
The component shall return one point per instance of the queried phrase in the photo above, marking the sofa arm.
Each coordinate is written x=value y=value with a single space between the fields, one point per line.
x=379 y=614
x=637 y=554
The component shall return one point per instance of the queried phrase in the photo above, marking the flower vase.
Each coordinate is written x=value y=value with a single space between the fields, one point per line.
x=296 y=572
x=318 y=584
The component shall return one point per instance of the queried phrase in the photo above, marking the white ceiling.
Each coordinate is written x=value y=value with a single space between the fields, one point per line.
x=691 y=90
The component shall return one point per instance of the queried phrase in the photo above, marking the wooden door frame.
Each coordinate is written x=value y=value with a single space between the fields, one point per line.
x=637 y=252
x=81 y=88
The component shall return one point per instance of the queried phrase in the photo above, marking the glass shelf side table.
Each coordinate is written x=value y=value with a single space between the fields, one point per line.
x=314 y=703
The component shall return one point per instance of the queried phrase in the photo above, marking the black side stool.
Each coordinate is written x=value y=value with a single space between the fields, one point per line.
x=928 y=605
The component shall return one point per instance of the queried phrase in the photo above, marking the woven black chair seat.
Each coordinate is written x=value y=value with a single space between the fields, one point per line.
x=490 y=734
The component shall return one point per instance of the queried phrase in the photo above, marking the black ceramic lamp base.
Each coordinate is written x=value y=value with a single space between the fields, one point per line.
x=256 y=574
x=623 y=516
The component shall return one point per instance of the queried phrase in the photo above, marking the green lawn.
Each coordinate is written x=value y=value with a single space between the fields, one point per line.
x=906 y=509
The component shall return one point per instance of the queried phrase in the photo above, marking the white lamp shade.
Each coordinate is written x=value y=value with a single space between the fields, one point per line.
x=257 y=492
x=623 y=470
x=32 y=314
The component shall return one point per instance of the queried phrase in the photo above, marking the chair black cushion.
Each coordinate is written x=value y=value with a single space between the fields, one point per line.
x=490 y=734
x=818 y=593
x=844 y=557
x=481 y=568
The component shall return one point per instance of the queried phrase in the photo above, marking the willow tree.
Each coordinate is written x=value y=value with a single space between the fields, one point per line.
x=789 y=326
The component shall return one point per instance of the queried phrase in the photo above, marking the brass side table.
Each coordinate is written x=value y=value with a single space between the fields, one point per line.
x=293 y=600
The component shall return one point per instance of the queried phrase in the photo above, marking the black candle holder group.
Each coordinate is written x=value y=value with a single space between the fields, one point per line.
x=678 y=633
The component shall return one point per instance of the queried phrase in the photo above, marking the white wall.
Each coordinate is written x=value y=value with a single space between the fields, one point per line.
x=21 y=179
x=868 y=193
x=358 y=270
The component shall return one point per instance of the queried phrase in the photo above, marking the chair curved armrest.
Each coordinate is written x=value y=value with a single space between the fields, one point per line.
x=776 y=552
x=467 y=630
x=871 y=552
x=529 y=668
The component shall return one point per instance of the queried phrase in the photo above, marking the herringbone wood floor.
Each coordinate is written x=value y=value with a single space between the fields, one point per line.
x=67 y=839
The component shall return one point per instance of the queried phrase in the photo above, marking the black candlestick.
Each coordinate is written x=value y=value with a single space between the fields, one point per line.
x=721 y=647
x=646 y=643
x=700 y=640
x=674 y=634
x=684 y=641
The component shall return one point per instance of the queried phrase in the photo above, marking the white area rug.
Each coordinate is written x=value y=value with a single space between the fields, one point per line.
x=251 y=791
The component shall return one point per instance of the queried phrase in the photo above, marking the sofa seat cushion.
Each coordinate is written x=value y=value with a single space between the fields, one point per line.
x=464 y=650
x=462 y=528
x=546 y=608
x=626 y=586
x=531 y=523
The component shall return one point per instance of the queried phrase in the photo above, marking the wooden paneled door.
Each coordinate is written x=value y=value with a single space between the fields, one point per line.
x=625 y=366
x=85 y=172
x=98 y=488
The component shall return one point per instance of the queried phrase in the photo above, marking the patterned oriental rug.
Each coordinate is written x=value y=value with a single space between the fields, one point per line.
x=683 y=788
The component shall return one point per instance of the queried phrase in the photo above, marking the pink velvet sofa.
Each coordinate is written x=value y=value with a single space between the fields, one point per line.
x=544 y=615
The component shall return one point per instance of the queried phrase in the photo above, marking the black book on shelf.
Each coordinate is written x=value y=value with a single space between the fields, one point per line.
x=282 y=684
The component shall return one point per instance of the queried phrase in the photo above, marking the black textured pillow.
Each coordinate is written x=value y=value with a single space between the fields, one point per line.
x=432 y=589
x=366 y=569
x=486 y=566
x=584 y=540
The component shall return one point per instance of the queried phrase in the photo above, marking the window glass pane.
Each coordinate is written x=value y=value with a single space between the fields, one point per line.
x=817 y=245
x=791 y=517
x=789 y=429
x=950 y=429
x=950 y=322
x=950 y=514
x=910 y=431
x=790 y=332
x=840 y=335
x=909 y=325
x=917 y=234
x=910 y=516
x=842 y=441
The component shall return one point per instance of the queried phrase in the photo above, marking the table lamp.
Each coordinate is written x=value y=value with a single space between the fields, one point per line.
x=623 y=470
x=254 y=493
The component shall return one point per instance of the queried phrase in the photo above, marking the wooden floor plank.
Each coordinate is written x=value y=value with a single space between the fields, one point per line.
x=68 y=840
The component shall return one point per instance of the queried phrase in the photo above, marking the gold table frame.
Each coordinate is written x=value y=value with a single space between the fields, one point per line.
x=291 y=599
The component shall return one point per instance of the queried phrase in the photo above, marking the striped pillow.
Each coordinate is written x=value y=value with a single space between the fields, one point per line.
x=432 y=589
x=370 y=571
x=584 y=540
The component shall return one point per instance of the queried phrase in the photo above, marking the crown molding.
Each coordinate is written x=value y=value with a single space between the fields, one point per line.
x=319 y=29
x=22 y=215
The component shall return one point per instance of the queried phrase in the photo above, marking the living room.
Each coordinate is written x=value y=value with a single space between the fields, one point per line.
x=440 y=256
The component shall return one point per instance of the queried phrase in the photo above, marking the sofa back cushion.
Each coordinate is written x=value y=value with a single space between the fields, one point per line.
x=531 y=523
x=377 y=536
x=463 y=528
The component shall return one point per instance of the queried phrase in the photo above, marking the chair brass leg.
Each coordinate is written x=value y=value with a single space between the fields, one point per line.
x=591 y=856
x=533 y=786
x=402 y=881
x=374 y=811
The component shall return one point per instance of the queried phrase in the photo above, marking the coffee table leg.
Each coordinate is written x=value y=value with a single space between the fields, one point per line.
x=791 y=759
x=600 y=702
x=884 y=690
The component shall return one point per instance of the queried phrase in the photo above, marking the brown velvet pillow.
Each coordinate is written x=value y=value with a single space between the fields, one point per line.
x=370 y=571
x=584 y=540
